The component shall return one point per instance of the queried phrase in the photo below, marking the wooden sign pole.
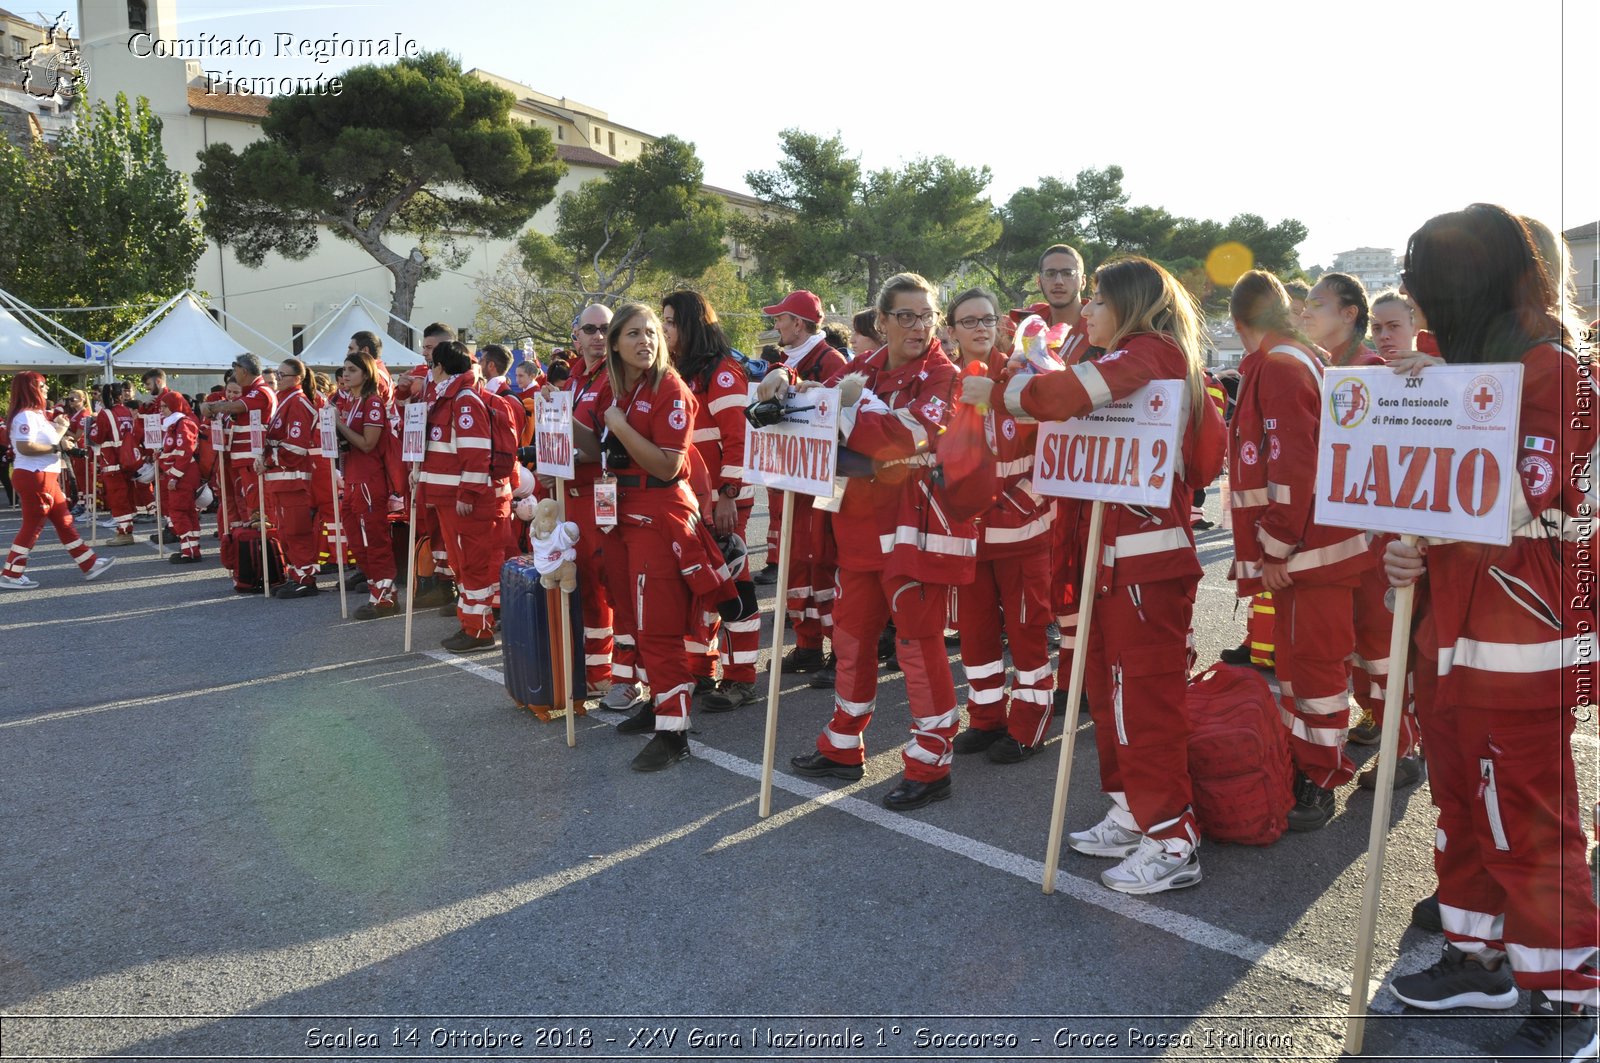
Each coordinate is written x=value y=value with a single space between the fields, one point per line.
x=769 y=745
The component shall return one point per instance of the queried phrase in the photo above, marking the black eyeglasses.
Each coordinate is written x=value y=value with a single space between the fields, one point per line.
x=592 y=330
x=987 y=321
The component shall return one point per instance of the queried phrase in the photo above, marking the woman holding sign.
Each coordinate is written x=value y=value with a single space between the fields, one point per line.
x=363 y=424
x=1506 y=646
x=1138 y=661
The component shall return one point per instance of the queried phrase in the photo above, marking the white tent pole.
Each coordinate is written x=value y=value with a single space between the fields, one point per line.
x=235 y=319
x=127 y=337
x=28 y=312
x=333 y=319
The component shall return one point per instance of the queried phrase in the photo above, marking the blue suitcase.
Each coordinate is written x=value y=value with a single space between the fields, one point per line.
x=527 y=640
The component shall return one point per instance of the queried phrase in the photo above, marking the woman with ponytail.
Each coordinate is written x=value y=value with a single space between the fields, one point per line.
x=290 y=467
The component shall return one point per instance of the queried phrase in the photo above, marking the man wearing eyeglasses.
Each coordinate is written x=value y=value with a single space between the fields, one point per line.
x=807 y=355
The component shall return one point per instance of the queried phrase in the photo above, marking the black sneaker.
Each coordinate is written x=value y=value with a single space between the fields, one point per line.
x=1553 y=1030
x=641 y=722
x=1203 y=525
x=461 y=642
x=1009 y=751
x=767 y=576
x=374 y=612
x=355 y=582
x=1366 y=732
x=816 y=766
x=729 y=696
x=662 y=751
x=827 y=675
x=1313 y=806
x=802 y=659
x=1458 y=980
x=976 y=740
x=1240 y=654
x=1408 y=771
x=1425 y=914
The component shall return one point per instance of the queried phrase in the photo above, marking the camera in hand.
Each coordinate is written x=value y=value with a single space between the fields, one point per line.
x=768 y=412
x=617 y=456
x=528 y=455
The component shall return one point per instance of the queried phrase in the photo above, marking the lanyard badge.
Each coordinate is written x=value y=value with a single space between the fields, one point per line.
x=605 y=502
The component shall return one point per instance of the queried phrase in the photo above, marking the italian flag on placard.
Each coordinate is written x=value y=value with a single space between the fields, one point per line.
x=1540 y=443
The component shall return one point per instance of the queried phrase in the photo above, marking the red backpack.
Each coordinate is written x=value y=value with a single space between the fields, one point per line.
x=205 y=451
x=505 y=431
x=1206 y=448
x=1238 y=757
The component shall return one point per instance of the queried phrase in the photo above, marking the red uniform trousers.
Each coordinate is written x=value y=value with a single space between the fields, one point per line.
x=42 y=500
x=1137 y=680
x=293 y=518
x=1066 y=580
x=429 y=525
x=865 y=603
x=813 y=569
x=365 y=514
x=1261 y=631
x=621 y=587
x=1369 y=672
x=80 y=480
x=118 y=499
x=179 y=507
x=144 y=495
x=1017 y=589
x=243 y=487
x=1510 y=849
x=472 y=545
x=775 y=522
x=593 y=598
x=735 y=644
x=1316 y=635
x=658 y=609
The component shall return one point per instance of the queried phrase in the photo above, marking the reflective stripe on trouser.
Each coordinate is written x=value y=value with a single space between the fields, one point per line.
x=812 y=576
x=620 y=587
x=1510 y=850
x=118 y=499
x=661 y=609
x=865 y=603
x=42 y=500
x=1017 y=590
x=475 y=559
x=1315 y=636
x=291 y=513
x=179 y=508
x=1261 y=629
x=593 y=598
x=1137 y=681
x=1369 y=665
x=371 y=538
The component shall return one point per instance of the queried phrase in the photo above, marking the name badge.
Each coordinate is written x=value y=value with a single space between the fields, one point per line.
x=605 y=503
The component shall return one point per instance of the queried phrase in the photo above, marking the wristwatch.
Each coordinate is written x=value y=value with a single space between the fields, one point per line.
x=728 y=490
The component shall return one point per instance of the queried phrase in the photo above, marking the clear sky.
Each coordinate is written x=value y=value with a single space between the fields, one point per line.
x=1360 y=119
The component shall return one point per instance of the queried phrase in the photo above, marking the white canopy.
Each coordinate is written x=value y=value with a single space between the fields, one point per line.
x=23 y=349
x=186 y=339
x=358 y=314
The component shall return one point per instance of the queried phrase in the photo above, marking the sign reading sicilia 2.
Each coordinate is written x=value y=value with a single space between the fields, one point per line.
x=1431 y=455
x=1126 y=451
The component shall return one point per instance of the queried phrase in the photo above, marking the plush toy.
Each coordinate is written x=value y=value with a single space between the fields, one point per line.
x=553 y=555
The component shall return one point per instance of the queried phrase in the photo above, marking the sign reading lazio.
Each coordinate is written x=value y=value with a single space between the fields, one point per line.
x=414 y=440
x=1126 y=451
x=552 y=435
x=1432 y=455
x=152 y=431
x=801 y=453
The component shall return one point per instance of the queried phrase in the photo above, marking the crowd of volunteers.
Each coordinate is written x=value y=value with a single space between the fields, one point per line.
x=1502 y=647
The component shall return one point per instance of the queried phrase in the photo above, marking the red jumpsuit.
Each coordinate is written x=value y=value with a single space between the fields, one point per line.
x=1505 y=656
x=456 y=469
x=506 y=541
x=242 y=502
x=293 y=456
x=1012 y=583
x=428 y=527
x=719 y=431
x=366 y=499
x=1137 y=671
x=1272 y=463
x=180 y=474
x=898 y=557
x=591 y=393
x=118 y=457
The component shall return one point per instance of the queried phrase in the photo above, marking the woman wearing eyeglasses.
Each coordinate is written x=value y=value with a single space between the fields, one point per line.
x=289 y=468
x=898 y=554
x=1150 y=328
x=1012 y=582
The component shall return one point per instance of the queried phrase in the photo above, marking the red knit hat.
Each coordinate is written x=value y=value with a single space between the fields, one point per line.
x=802 y=304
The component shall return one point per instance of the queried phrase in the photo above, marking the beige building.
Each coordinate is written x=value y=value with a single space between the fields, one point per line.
x=1375 y=267
x=36 y=93
x=283 y=296
x=1584 y=242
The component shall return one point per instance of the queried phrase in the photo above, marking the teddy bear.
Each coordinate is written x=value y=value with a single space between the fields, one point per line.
x=553 y=555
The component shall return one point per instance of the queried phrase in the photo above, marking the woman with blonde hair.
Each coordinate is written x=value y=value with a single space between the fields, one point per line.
x=1150 y=329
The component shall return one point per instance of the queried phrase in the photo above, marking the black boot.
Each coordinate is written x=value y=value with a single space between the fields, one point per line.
x=663 y=751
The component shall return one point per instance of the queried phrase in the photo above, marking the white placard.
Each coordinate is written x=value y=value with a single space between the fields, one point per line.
x=414 y=442
x=152 y=431
x=330 y=438
x=552 y=435
x=1126 y=451
x=257 y=437
x=219 y=432
x=801 y=453
x=1433 y=454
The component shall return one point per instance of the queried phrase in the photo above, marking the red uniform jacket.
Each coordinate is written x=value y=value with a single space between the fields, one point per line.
x=1020 y=520
x=293 y=445
x=179 y=438
x=591 y=397
x=258 y=398
x=721 y=395
x=456 y=466
x=112 y=432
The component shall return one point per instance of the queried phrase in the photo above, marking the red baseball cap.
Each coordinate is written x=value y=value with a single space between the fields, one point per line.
x=802 y=304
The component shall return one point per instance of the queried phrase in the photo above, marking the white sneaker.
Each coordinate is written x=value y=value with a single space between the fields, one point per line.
x=1151 y=869
x=1111 y=837
x=621 y=697
x=99 y=566
x=18 y=583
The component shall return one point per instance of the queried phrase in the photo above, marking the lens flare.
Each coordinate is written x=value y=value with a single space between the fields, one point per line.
x=1228 y=262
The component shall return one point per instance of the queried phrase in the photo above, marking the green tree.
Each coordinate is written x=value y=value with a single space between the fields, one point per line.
x=648 y=217
x=97 y=219
x=414 y=148
x=827 y=221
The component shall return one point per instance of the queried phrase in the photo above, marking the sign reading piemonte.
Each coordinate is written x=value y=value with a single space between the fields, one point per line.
x=552 y=435
x=801 y=453
x=414 y=439
x=1127 y=451
x=1432 y=455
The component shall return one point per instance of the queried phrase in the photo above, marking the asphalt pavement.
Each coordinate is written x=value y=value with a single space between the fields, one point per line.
x=236 y=827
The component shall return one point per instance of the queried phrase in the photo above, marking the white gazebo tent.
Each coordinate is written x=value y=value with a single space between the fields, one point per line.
x=180 y=336
x=358 y=314
x=23 y=349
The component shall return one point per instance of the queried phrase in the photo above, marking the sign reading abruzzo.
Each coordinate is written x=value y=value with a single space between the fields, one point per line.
x=1126 y=451
x=802 y=452
x=1431 y=455
x=552 y=435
